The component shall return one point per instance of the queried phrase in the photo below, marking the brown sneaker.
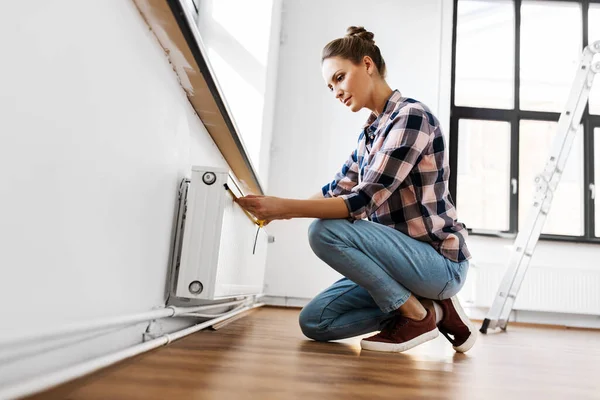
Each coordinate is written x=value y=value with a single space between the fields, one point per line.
x=456 y=326
x=402 y=334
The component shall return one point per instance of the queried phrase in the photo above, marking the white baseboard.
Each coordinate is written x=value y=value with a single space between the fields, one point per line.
x=284 y=301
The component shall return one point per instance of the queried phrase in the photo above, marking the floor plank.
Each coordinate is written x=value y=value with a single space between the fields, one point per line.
x=265 y=356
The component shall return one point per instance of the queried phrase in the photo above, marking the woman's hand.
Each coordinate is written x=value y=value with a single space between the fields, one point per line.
x=265 y=208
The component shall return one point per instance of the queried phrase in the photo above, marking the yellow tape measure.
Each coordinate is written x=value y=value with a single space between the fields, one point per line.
x=259 y=222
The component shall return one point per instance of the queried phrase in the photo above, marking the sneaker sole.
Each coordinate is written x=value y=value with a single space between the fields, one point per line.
x=399 y=347
x=466 y=346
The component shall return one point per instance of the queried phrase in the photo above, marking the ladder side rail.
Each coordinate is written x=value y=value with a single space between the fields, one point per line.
x=570 y=120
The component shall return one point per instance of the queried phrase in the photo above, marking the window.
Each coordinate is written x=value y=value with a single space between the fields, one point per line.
x=485 y=80
x=548 y=65
x=483 y=162
x=514 y=62
x=237 y=45
x=566 y=212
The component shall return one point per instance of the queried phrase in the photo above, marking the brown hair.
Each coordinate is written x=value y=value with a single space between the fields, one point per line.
x=357 y=43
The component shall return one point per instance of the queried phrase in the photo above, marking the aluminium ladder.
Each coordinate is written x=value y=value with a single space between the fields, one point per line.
x=545 y=186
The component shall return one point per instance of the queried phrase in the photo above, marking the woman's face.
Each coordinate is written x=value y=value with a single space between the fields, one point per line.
x=351 y=84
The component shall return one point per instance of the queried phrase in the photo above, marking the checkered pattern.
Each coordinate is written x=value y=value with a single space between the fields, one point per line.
x=398 y=176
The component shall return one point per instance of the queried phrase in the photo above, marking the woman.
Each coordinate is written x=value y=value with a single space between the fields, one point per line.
x=386 y=221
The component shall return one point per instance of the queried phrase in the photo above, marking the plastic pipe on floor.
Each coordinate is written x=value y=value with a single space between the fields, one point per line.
x=48 y=381
x=105 y=323
x=200 y=315
x=17 y=353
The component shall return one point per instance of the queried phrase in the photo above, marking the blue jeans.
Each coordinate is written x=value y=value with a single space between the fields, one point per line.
x=382 y=268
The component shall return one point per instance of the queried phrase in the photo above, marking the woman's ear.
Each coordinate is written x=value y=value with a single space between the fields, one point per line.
x=370 y=66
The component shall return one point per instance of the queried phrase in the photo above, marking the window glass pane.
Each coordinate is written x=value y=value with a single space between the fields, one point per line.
x=597 y=179
x=551 y=46
x=483 y=174
x=566 y=212
x=237 y=45
x=593 y=36
x=485 y=54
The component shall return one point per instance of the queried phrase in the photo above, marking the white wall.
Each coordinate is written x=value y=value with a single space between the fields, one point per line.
x=95 y=135
x=314 y=134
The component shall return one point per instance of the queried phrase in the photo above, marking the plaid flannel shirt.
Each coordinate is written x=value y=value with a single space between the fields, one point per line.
x=398 y=176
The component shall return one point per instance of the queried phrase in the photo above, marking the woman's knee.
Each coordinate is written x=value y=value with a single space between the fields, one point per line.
x=315 y=232
x=311 y=324
x=321 y=232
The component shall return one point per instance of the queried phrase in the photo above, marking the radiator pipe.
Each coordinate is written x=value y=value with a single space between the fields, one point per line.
x=105 y=323
x=48 y=381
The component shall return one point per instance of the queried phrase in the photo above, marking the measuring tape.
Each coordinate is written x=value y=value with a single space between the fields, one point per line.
x=258 y=222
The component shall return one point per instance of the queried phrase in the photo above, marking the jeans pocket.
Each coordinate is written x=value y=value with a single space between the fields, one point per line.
x=446 y=290
x=459 y=275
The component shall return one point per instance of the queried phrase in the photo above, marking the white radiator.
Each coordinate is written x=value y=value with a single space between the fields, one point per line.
x=560 y=290
x=219 y=252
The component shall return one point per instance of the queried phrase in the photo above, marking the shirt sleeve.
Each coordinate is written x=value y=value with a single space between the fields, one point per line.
x=345 y=179
x=407 y=139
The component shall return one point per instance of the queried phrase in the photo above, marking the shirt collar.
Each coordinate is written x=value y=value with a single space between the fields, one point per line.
x=390 y=105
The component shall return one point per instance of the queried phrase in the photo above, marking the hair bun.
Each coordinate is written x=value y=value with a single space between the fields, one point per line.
x=360 y=32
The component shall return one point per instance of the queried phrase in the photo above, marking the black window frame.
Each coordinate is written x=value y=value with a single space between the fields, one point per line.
x=514 y=116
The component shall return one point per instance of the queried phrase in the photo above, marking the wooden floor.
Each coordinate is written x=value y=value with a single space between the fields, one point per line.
x=265 y=356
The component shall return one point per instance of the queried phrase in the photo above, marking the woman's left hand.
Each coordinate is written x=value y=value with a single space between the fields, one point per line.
x=264 y=207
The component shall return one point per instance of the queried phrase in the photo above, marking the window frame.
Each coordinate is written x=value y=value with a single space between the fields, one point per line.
x=514 y=117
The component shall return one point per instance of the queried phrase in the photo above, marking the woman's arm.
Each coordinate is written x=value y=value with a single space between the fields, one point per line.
x=329 y=208
x=346 y=177
x=270 y=208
